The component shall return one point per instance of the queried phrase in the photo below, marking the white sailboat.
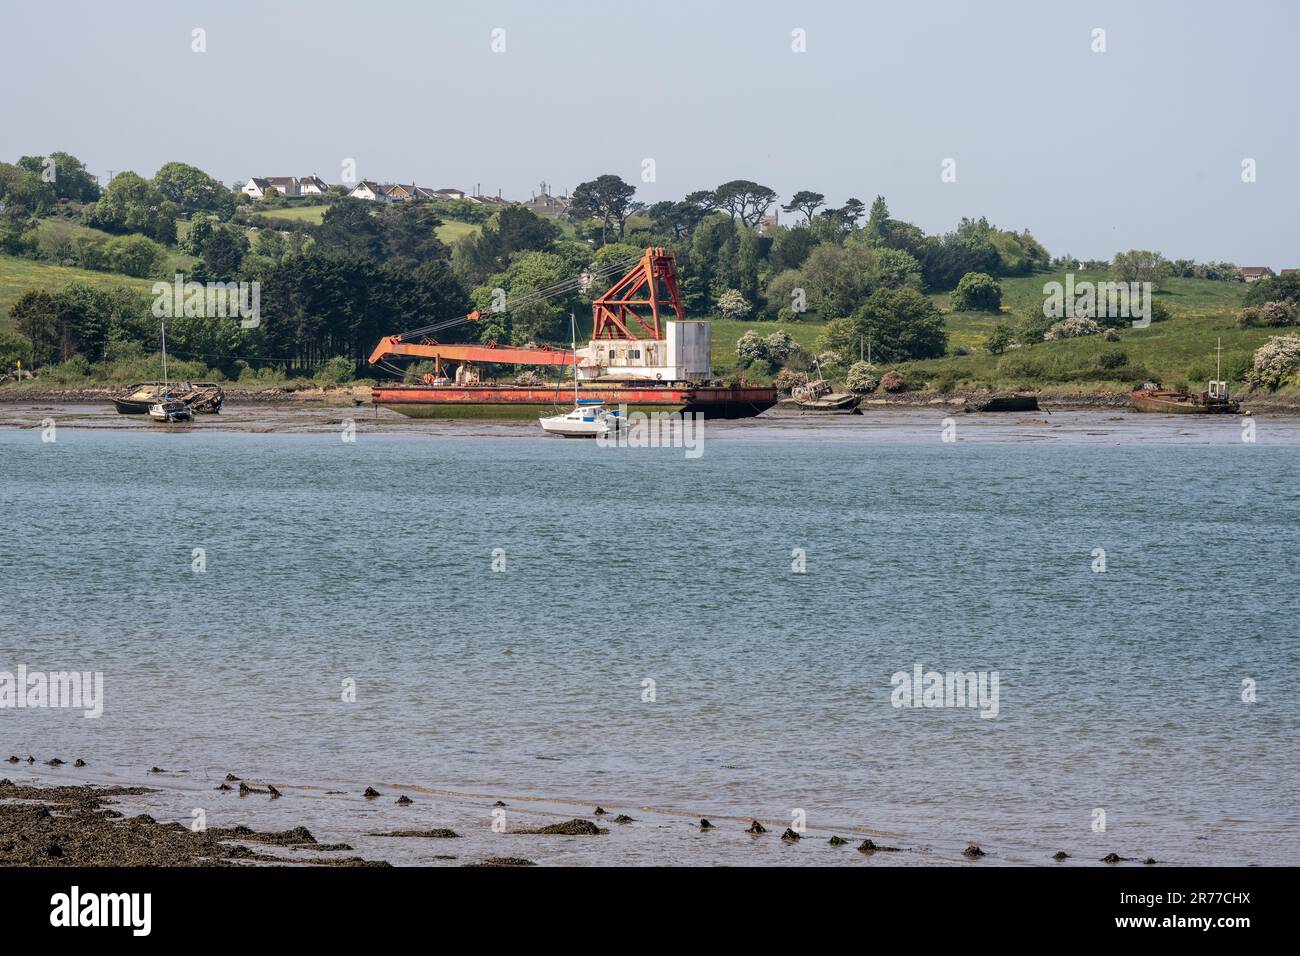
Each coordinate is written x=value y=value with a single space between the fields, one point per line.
x=168 y=408
x=589 y=418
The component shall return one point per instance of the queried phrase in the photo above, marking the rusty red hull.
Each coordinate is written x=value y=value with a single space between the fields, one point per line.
x=520 y=401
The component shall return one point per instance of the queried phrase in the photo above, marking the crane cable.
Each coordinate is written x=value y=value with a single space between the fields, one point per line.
x=537 y=295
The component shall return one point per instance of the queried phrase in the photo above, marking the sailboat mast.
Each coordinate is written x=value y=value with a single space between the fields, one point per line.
x=573 y=341
x=164 y=350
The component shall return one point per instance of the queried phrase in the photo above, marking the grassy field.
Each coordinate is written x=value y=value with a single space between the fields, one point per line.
x=22 y=275
x=1177 y=352
x=308 y=214
x=726 y=332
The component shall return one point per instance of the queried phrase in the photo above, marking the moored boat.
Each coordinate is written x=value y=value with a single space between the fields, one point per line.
x=589 y=419
x=169 y=410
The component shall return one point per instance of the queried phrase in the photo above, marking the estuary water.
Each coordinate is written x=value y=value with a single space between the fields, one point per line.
x=549 y=621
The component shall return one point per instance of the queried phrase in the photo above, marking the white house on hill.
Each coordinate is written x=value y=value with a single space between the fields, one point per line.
x=370 y=190
x=258 y=187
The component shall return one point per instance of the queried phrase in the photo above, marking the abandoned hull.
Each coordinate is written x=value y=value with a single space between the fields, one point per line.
x=1180 y=403
x=523 y=401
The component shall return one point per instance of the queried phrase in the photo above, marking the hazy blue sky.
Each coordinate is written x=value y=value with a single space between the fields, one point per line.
x=1140 y=146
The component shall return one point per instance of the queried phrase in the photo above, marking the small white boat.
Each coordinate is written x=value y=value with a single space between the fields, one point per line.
x=170 y=410
x=589 y=419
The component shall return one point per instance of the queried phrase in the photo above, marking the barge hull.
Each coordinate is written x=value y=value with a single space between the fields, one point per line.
x=521 y=402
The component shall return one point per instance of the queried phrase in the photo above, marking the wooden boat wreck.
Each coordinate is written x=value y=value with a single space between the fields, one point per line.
x=1213 y=400
x=1168 y=401
x=199 y=397
x=817 y=397
x=1002 y=402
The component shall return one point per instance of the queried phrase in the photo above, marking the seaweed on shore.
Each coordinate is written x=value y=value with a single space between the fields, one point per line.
x=84 y=831
x=573 y=827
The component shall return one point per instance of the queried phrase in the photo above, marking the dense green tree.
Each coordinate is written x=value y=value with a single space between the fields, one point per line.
x=510 y=231
x=902 y=324
x=324 y=304
x=1140 y=265
x=193 y=190
x=606 y=198
x=223 y=253
x=791 y=247
x=18 y=235
x=977 y=292
x=21 y=187
x=411 y=234
x=349 y=228
x=541 y=321
x=805 y=201
x=745 y=200
x=74 y=321
x=65 y=173
x=134 y=255
x=876 y=219
x=132 y=204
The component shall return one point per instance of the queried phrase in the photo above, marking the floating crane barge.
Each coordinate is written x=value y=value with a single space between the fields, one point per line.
x=666 y=368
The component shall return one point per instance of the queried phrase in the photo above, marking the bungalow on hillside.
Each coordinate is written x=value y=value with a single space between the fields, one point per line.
x=255 y=188
x=547 y=205
x=371 y=191
x=1255 y=273
x=312 y=186
x=400 y=193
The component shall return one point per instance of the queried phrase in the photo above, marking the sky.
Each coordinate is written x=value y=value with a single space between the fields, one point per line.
x=1139 y=146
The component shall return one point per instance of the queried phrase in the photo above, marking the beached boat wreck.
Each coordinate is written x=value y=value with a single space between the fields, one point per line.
x=199 y=397
x=1002 y=402
x=1167 y=401
x=817 y=396
x=1213 y=400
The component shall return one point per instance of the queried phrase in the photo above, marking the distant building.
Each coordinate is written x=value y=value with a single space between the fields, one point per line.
x=259 y=187
x=312 y=186
x=544 y=204
x=371 y=191
x=256 y=188
x=1255 y=273
x=400 y=193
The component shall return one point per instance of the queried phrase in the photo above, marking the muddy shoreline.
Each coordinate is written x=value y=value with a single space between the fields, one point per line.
x=358 y=397
x=62 y=823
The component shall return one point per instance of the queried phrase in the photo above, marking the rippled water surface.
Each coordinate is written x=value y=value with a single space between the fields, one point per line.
x=373 y=562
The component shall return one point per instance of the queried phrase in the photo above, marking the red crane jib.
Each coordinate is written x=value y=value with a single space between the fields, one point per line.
x=649 y=288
